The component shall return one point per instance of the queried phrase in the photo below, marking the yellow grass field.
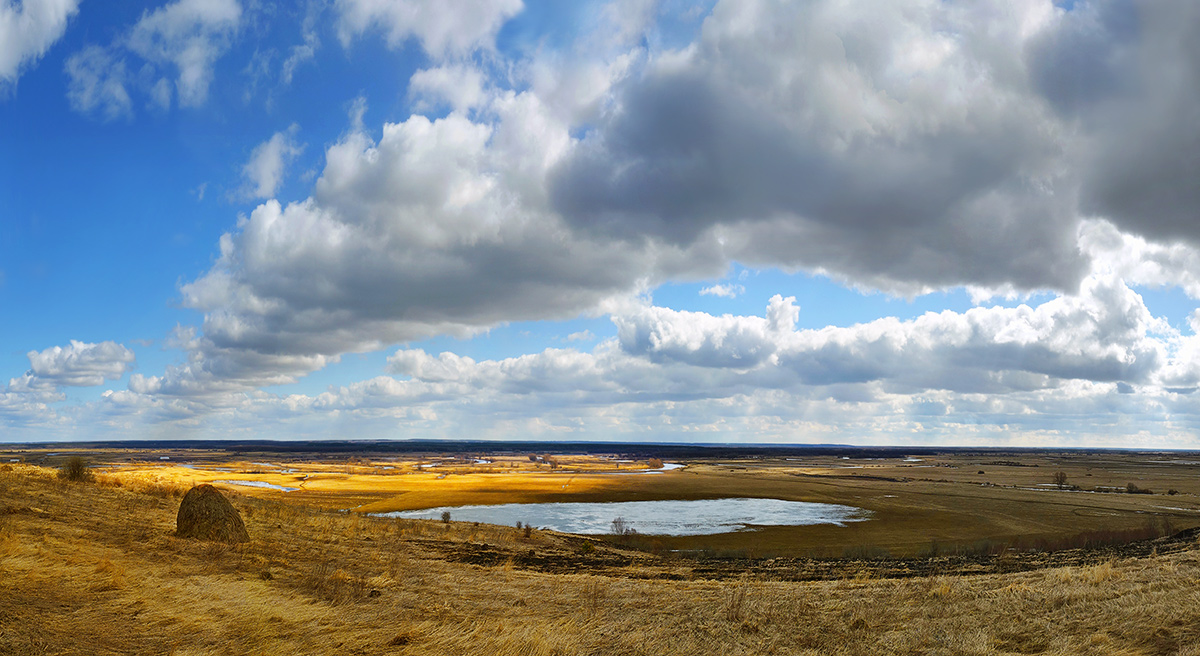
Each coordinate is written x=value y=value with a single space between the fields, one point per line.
x=93 y=568
x=917 y=504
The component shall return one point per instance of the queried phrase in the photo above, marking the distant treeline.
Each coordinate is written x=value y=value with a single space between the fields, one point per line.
x=630 y=449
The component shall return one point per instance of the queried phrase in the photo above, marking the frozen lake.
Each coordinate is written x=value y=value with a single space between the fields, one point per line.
x=700 y=517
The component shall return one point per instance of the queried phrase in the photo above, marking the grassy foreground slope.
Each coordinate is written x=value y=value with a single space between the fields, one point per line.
x=93 y=568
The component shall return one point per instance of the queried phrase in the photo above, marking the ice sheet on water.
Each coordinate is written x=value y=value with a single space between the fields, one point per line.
x=673 y=517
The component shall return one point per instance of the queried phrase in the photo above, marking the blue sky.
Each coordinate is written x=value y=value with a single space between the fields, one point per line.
x=877 y=223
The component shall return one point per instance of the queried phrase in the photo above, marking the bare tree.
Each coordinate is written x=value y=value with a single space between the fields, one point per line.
x=1060 y=479
x=621 y=527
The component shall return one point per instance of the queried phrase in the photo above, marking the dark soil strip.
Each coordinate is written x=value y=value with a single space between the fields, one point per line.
x=611 y=561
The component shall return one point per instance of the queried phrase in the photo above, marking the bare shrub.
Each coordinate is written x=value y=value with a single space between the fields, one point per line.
x=75 y=469
x=445 y=516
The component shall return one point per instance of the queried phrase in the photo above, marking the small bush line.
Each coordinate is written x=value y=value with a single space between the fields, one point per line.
x=1087 y=540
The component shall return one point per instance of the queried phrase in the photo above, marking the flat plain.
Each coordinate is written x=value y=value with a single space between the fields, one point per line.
x=965 y=552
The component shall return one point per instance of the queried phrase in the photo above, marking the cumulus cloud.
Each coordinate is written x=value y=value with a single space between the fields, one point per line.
x=995 y=360
x=439 y=227
x=459 y=86
x=444 y=30
x=935 y=145
x=26 y=398
x=27 y=30
x=907 y=152
x=215 y=375
x=80 y=364
x=1140 y=261
x=1096 y=366
x=263 y=174
x=97 y=83
x=986 y=374
x=1105 y=334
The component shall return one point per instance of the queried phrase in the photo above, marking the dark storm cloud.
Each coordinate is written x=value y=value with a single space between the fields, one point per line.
x=1142 y=160
x=811 y=139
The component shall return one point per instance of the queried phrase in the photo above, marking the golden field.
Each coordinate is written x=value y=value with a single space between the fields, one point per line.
x=917 y=504
x=94 y=567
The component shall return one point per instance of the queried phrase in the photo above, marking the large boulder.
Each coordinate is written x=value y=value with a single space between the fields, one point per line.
x=205 y=514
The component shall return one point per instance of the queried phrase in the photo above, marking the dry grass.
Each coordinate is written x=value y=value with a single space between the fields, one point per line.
x=939 y=505
x=98 y=571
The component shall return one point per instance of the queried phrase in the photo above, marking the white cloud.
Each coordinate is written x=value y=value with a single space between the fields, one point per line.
x=215 y=375
x=628 y=20
x=190 y=35
x=80 y=364
x=439 y=227
x=1139 y=261
x=1092 y=368
x=724 y=291
x=706 y=340
x=97 y=83
x=459 y=86
x=581 y=336
x=925 y=148
x=160 y=94
x=27 y=30
x=443 y=29
x=1105 y=334
x=300 y=54
x=1024 y=375
x=306 y=51
x=263 y=174
x=27 y=398
x=187 y=35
